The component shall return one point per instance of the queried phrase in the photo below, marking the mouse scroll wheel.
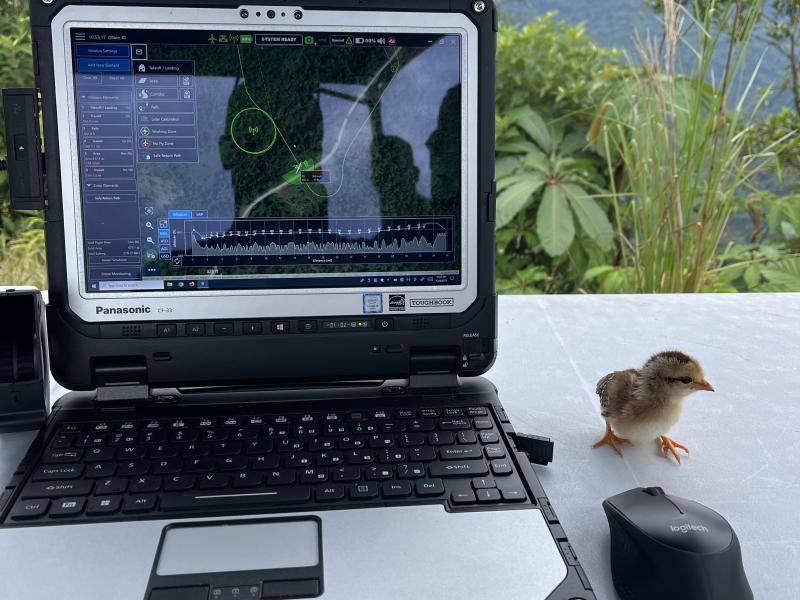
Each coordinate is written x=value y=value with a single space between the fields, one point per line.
x=654 y=491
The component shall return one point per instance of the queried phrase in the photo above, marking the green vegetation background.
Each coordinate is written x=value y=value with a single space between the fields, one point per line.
x=552 y=83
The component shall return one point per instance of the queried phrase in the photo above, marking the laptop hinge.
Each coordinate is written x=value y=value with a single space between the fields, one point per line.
x=434 y=368
x=121 y=381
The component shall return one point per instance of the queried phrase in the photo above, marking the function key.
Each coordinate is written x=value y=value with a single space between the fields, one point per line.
x=126 y=426
x=308 y=419
x=477 y=411
x=231 y=422
x=207 y=422
x=256 y=421
x=152 y=425
x=453 y=412
x=380 y=414
x=430 y=413
x=166 y=330
x=356 y=416
x=178 y=424
x=70 y=428
x=280 y=420
x=30 y=509
x=333 y=417
x=100 y=427
x=406 y=414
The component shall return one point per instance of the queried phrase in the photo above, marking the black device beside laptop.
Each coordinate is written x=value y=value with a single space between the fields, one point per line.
x=270 y=248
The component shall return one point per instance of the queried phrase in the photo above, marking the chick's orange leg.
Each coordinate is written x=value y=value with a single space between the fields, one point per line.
x=612 y=440
x=668 y=444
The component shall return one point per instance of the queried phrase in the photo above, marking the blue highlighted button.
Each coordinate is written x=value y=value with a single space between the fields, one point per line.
x=104 y=65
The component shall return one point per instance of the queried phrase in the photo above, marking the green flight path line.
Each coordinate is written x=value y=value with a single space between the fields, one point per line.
x=278 y=132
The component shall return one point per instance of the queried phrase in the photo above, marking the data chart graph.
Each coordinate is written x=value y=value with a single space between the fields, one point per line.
x=210 y=242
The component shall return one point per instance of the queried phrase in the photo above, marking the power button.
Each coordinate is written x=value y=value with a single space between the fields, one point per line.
x=384 y=324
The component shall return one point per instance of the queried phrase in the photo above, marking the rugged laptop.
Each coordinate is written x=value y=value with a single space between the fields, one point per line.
x=270 y=243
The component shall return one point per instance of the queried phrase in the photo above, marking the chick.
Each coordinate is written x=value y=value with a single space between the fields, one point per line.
x=640 y=405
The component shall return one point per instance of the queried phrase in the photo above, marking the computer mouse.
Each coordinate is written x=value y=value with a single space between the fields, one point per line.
x=670 y=548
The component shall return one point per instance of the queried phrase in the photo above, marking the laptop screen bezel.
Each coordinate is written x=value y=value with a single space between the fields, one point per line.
x=205 y=304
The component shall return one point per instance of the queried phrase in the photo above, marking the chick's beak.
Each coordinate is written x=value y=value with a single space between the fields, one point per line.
x=703 y=385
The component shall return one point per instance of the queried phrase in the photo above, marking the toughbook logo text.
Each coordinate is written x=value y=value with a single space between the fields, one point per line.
x=687 y=527
x=125 y=310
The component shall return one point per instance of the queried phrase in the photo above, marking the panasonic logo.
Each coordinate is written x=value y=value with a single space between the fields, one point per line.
x=687 y=527
x=124 y=310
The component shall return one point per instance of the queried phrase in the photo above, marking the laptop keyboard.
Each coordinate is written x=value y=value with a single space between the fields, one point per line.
x=163 y=467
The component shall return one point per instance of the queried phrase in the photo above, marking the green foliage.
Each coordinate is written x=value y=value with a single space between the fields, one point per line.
x=549 y=64
x=22 y=260
x=676 y=148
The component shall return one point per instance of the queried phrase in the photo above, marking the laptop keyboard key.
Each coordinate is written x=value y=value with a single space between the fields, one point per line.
x=467 y=437
x=56 y=472
x=99 y=454
x=410 y=471
x=179 y=483
x=232 y=463
x=67 y=507
x=247 y=480
x=57 y=489
x=281 y=477
x=139 y=503
x=396 y=489
x=203 y=464
x=488 y=437
x=141 y=485
x=265 y=461
x=346 y=474
x=482 y=483
x=100 y=470
x=463 y=497
x=441 y=438
x=30 y=509
x=501 y=467
x=423 y=454
x=364 y=491
x=459 y=452
x=493 y=452
x=487 y=495
x=103 y=505
x=62 y=456
x=116 y=485
x=454 y=424
x=512 y=494
x=462 y=468
x=330 y=492
x=213 y=481
x=168 y=466
x=429 y=487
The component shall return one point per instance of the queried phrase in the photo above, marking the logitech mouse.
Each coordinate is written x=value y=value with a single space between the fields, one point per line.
x=665 y=547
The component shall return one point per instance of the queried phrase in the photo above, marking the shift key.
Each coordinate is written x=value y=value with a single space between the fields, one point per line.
x=459 y=468
x=57 y=489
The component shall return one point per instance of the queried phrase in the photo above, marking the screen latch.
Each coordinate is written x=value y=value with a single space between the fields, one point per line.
x=434 y=368
x=121 y=381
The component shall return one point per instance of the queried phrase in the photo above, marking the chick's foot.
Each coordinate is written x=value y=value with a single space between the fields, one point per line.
x=612 y=440
x=669 y=445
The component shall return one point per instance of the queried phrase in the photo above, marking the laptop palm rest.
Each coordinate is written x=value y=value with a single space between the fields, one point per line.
x=414 y=552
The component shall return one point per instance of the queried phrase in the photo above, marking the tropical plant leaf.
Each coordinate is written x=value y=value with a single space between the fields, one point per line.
x=592 y=218
x=784 y=274
x=554 y=222
x=534 y=125
x=597 y=272
x=505 y=166
x=515 y=198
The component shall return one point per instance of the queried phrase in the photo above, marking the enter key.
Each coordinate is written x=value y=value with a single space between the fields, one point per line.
x=460 y=452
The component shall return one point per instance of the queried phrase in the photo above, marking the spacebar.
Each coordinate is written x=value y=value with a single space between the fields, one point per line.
x=264 y=497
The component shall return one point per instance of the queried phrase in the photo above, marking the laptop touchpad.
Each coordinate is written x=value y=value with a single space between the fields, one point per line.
x=239 y=547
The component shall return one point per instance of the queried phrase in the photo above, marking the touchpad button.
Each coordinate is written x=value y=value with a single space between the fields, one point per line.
x=239 y=547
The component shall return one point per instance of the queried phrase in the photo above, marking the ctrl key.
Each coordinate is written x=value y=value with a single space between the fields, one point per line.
x=30 y=509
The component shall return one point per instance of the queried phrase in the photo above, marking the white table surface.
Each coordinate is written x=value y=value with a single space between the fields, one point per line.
x=745 y=438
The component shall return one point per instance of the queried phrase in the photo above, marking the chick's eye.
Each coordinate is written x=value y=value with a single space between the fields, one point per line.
x=685 y=380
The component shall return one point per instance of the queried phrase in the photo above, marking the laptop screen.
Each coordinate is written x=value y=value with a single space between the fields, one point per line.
x=268 y=160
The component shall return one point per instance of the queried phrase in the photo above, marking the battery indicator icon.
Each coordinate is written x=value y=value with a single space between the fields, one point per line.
x=245 y=39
